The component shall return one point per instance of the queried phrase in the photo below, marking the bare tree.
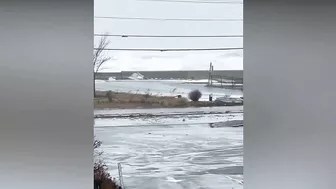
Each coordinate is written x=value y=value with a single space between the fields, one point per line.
x=99 y=58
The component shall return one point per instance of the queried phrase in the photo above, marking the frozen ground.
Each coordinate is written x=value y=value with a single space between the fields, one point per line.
x=174 y=148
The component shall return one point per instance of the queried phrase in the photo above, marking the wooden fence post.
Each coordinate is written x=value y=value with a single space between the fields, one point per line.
x=121 y=180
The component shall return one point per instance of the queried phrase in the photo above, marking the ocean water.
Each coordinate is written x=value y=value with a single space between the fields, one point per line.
x=164 y=87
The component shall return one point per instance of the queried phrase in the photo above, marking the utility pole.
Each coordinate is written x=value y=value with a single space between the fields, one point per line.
x=233 y=82
x=221 y=81
x=209 y=79
x=212 y=72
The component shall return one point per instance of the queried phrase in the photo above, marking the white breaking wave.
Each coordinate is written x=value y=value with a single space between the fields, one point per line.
x=136 y=76
x=111 y=79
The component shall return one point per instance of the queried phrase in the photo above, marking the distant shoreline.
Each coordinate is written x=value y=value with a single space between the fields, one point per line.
x=181 y=74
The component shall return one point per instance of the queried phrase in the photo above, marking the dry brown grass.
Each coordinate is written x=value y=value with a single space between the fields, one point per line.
x=130 y=100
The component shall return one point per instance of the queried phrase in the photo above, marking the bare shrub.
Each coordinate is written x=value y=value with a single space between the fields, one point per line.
x=195 y=95
x=147 y=94
x=100 y=169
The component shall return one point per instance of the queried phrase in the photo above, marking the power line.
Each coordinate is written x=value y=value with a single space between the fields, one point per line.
x=192 y=1
x=169 y=19
x=169 y=36
x=166 y=50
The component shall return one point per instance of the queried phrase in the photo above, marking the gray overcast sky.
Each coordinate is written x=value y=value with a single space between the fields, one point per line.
x=126 y=60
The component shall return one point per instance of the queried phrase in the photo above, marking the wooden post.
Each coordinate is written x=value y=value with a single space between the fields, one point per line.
x=121 y=180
